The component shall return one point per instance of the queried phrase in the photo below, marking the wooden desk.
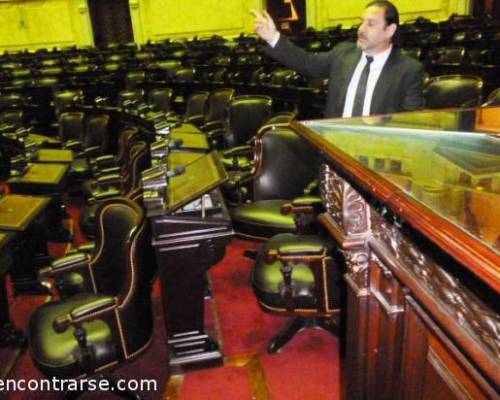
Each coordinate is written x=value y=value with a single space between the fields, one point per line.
x=179 y=158
x=55 y=156
x=419 y=229
x=40 y=179
x=18 y=211
x=187 y=128
x=29 y=247
x=191 y=141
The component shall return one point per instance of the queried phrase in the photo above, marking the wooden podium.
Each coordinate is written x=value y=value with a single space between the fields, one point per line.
x=189 y=237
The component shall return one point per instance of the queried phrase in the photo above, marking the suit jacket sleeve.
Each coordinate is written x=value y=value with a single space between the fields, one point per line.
x=413 y=98
x=315 y=65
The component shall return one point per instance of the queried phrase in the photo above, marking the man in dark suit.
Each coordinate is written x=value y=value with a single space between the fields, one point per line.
x=366 y=78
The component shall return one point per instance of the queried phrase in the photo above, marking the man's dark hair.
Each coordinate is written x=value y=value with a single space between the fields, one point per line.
x=391 y=13
x=391 y=16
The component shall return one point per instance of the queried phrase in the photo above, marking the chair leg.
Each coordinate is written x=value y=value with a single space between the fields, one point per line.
x=295 y=325
x=328 y=324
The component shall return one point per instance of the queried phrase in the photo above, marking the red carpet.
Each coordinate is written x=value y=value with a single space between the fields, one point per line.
x=216 y=384
x=245 y=328
x=312 y=359
x=74 y=207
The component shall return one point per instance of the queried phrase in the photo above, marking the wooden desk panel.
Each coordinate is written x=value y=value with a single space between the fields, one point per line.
x=54 y=156
x=40 y=179
x=186 y=128
x=193 y=141
x=43 y=174
x=179 y=158
x=422 y=288
x=18 y=211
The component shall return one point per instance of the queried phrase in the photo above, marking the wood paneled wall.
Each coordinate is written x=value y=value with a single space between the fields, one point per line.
x=325 y=13
x=44 y=24
x=159 y=19
x=47 y=23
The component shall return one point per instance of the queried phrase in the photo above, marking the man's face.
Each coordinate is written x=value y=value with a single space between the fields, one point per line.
x=373 y=34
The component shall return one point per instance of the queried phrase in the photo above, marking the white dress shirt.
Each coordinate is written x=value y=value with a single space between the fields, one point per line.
x=375 y=70
x=274 y=40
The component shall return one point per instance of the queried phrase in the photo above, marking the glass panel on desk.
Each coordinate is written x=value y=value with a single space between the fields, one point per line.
x=447 y=160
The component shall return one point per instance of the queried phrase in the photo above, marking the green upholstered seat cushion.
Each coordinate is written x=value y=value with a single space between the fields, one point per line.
x=80 y=166
x=57 y=354
x=267 y=279
x=70 y=283
x=262 y=219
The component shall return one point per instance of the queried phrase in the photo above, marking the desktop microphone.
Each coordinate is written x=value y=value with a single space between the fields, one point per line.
x=175 y=144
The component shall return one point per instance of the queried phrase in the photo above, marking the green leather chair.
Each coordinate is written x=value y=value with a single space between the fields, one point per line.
x=92 y=332
x=284 y=166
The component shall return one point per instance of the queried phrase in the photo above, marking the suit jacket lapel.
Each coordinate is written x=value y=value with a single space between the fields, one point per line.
x=384 y=82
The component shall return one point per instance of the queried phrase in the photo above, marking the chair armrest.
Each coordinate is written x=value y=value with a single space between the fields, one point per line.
x=297 y=252
x=108 y=171
x=172 y=116
x=65 y=264
x=106 y=161
x=301 y=250
x=87 y=248
x=239 y=151
x=211 y=126
x=303 y=205
x=51 y=143
x=312 y=188
x=96 y=306
x=73 y=144
x=84 y=312
x=194 y=119
x=91 y=151
x=108 y=193
x=214 y=133
x=108 y=180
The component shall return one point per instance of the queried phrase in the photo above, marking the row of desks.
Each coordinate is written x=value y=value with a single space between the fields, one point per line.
x=22 y=247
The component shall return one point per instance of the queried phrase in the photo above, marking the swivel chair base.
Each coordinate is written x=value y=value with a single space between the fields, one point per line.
x=297 y=324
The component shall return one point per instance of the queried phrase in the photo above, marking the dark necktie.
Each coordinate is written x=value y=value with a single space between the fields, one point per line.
x=359 y=98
